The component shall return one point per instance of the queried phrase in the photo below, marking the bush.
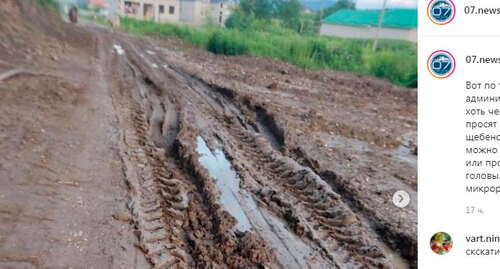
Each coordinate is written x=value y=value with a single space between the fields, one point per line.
x=226 y=43
x=399 y=67
x=238 y=20
x=348 y=56
x=394 y=45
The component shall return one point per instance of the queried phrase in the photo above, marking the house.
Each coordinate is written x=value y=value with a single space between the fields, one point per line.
x=397 y=24
x=97 y=3
x=194 y=12
x=220 y=11
x=306 y=10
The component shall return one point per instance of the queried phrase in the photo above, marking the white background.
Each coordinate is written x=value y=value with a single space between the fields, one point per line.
x=442 y=197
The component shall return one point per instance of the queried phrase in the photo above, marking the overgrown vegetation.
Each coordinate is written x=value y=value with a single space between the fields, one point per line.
x=49 y=4
x=98 y=18
x=228 y=44
x=394 y=60
x=340 y=4
x=288 y=12
x=88 y=7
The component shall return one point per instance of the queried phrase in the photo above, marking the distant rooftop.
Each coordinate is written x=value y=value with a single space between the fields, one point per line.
x=396 y=18
x=220 y=1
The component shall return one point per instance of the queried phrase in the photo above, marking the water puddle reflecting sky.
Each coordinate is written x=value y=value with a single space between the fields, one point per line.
x=227 y=182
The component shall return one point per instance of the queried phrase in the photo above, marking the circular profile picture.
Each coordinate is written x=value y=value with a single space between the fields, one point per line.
x=441 y=64
x=441 y=243
x=441 y=12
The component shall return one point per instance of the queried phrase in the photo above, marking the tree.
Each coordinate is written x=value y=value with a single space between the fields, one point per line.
x=248 y=11
x=239 y=20
x=262 y=9
x=289 y=12
x=340 y=4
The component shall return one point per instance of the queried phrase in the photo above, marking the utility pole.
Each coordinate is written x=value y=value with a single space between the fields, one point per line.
x=380 y=21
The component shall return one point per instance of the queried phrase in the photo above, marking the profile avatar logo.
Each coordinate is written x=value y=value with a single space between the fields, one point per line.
x=441 y=243
x=441 y=64
x=441 y=12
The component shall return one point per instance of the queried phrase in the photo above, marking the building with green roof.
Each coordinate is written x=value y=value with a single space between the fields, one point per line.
x=397 y=24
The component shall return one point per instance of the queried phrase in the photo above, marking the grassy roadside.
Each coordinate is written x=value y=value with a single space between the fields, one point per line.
x=50 y=4
x=98 y=19
x=395 y=61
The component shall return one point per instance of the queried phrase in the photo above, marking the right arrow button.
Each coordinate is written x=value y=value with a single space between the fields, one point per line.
x=401 y=199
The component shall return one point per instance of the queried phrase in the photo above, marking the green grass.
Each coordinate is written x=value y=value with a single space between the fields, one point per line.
x=395 y=61
x=49 y=4
x=98 y=19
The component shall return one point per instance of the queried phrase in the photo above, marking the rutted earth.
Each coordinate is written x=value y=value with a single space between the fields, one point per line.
x=126 y=152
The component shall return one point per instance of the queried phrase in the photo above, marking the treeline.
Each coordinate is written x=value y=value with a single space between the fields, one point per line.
x=248 y=11
x=287 y=12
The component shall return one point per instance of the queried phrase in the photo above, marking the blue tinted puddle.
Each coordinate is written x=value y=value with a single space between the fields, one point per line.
x=241 y=205
x=227 y=182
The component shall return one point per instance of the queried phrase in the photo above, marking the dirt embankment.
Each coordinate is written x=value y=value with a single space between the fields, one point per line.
x=32 y=34
x=60 y=172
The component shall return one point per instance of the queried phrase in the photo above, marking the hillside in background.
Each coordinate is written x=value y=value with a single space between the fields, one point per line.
x=316 y=5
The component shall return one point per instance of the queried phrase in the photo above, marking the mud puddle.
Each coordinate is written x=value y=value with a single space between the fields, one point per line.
x=291 y=251
x=395 y=259
x=119 y=49
x=405 y=154
x=401 y=154
x=227 y=182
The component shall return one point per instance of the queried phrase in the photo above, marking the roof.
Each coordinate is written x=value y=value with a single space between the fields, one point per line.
x=397 y=18
x=100 y=3
x=221 y=1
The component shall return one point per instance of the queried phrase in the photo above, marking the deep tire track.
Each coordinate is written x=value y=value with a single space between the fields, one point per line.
x=295 y=193
x=317 y=212
x=159 y=201
x=307 y=203
x=257 y=117
x=178 y=219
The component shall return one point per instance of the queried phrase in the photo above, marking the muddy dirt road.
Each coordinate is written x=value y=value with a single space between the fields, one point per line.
x=123 y=152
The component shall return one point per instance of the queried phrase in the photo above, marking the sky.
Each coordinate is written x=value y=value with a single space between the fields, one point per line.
x=371 y=4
